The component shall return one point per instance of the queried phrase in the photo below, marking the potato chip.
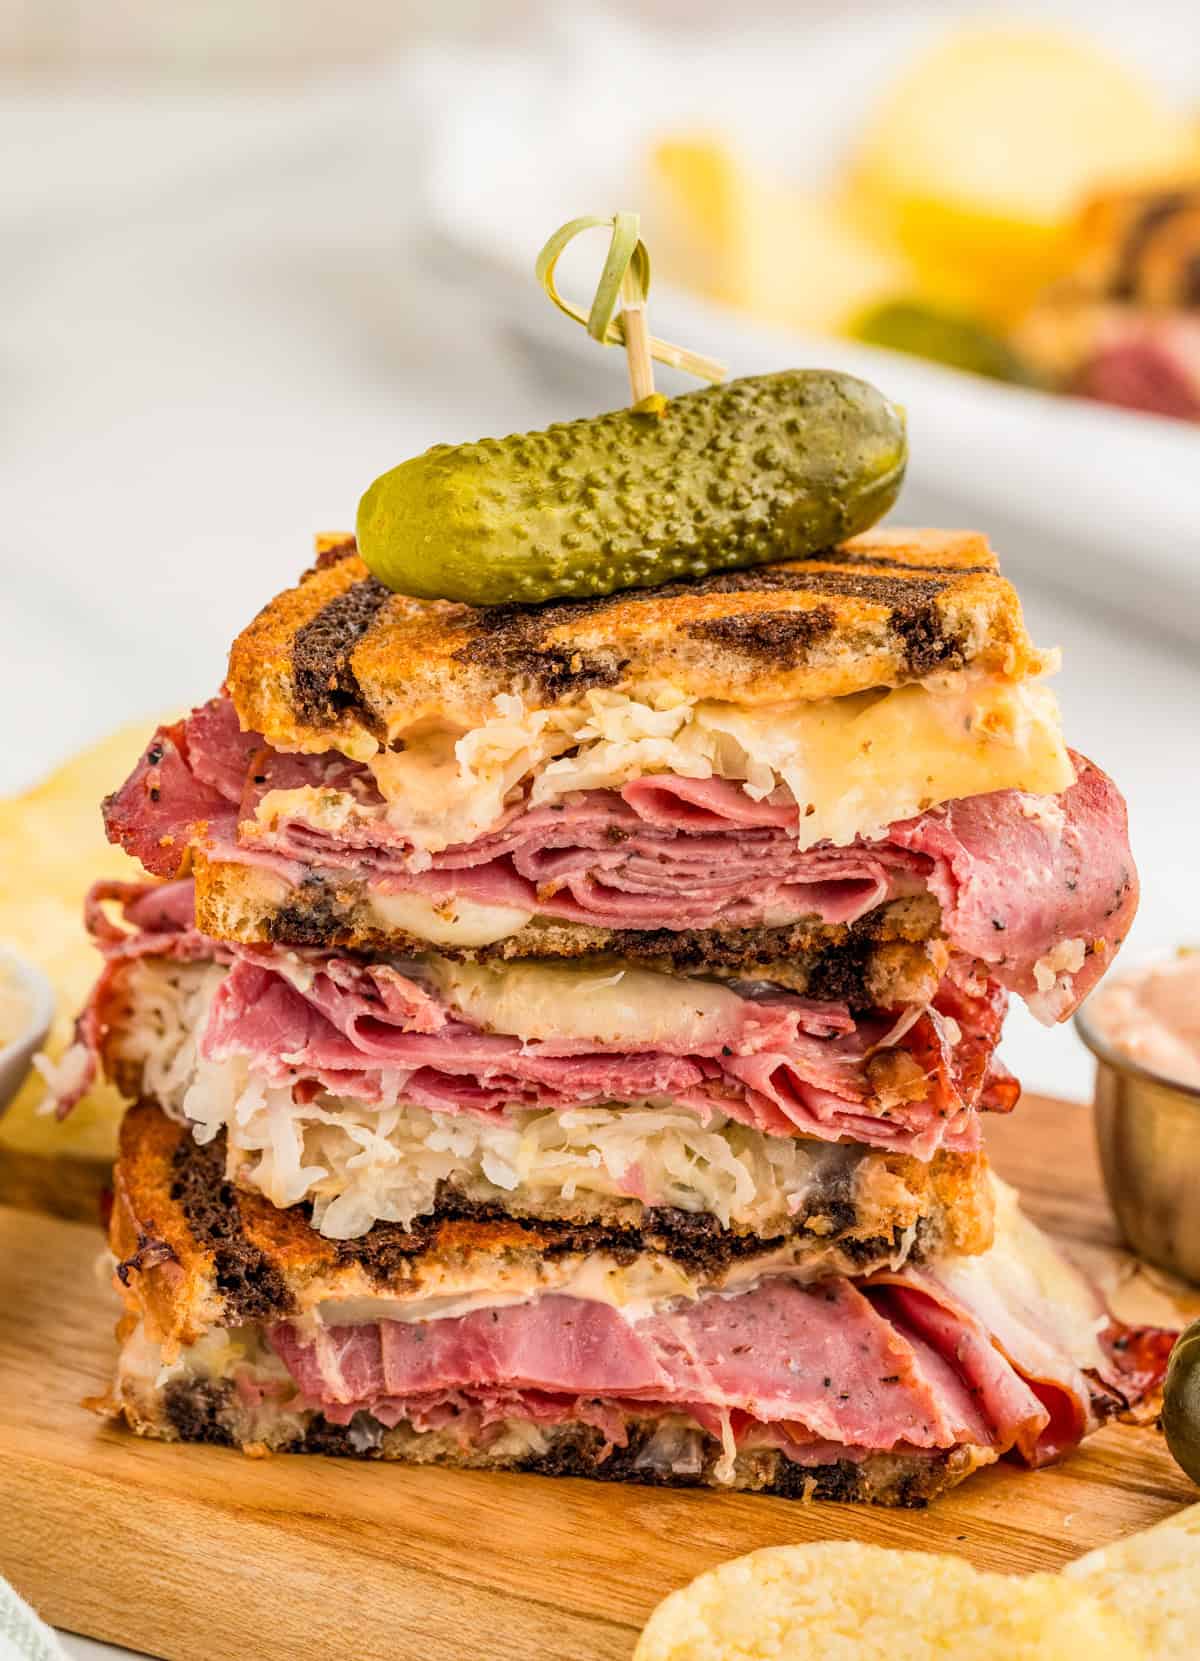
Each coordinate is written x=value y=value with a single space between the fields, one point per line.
x=1152 y=1579
x=52 y=848
x=839 y=1601
x=982 y=150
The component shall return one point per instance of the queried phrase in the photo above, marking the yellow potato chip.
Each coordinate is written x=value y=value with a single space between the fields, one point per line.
x=979 y=154
x=725 y=229
x=52 y=848
x=839 y=1601
x=1153 y=1580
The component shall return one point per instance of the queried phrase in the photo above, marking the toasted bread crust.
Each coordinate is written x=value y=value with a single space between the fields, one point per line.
x=338 y=662
x=166 y=1274
x=201 y=1409
x=893 y=955
x=196 y=1252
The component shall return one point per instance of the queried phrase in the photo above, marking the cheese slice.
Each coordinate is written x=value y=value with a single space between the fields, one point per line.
x=636 y=1009
x=451 y=922
x=852 y=765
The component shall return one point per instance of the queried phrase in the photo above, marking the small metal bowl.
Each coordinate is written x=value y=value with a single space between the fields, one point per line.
x=16 y=1058
x=1148 y=1131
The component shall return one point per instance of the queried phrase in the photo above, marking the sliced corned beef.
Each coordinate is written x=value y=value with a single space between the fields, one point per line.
x=900 y=1362
x=904 y=1081
x=1042 y=889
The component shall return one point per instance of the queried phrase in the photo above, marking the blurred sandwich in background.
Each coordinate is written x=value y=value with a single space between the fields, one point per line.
x=983 y=214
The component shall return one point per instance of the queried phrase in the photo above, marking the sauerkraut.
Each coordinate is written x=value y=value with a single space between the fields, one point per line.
x=854 y=764
x=357 y=1164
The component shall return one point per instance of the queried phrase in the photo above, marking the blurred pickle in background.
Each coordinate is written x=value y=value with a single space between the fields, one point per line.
x=942 y=335
x=957 y=207
x=52 y=848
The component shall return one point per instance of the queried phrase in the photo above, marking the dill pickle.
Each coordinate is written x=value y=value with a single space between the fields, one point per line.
x=768 y=468
x=941 y=337
x=1181 y=1402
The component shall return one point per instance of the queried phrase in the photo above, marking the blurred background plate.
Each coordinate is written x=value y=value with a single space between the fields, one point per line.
x=1101 y=502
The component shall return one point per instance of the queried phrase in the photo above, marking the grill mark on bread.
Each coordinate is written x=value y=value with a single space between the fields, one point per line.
x=326 y=687
x=784 y=636
x=421 y=655
x=834 y=962
x=759 y=579
x=908 y=1481
x=511 y=641
x=325 y=912
x=252 y=1286
x=913 y=614
x=503 y=630
x=829 y=568
x=695 y=1240
x=898 y=568
x=898 y=593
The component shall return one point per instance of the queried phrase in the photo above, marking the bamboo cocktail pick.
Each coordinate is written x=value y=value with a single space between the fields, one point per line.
x=625 y=280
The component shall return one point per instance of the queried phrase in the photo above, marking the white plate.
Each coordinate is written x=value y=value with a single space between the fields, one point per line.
x=1100 y=501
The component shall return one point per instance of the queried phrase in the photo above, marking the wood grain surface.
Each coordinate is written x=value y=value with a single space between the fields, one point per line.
x=200 y=1554
x=69 y=1188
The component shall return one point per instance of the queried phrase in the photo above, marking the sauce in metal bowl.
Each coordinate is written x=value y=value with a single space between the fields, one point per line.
x=1153 y=1017
x=1144 y=1030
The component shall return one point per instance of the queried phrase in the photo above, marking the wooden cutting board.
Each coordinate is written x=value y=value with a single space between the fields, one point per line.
x=200 y=1554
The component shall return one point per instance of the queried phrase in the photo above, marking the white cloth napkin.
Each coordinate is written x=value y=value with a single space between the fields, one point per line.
x=23 y=1637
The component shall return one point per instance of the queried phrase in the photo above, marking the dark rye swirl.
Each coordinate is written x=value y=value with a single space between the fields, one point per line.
x=340 y=663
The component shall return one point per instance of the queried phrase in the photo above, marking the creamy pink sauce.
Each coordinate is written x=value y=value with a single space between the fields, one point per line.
x=1153 y=1017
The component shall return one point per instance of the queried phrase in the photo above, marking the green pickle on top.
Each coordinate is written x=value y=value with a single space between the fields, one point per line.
x=771 y=467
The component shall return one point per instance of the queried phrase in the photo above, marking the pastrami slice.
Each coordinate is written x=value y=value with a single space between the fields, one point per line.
x=1040 y=888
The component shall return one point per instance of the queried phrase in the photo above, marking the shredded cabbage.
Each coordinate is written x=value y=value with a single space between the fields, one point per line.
x=358 y=1164
x=169 y=1005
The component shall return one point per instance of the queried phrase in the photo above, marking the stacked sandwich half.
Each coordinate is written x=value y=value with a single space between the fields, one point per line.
x=562 y=1037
